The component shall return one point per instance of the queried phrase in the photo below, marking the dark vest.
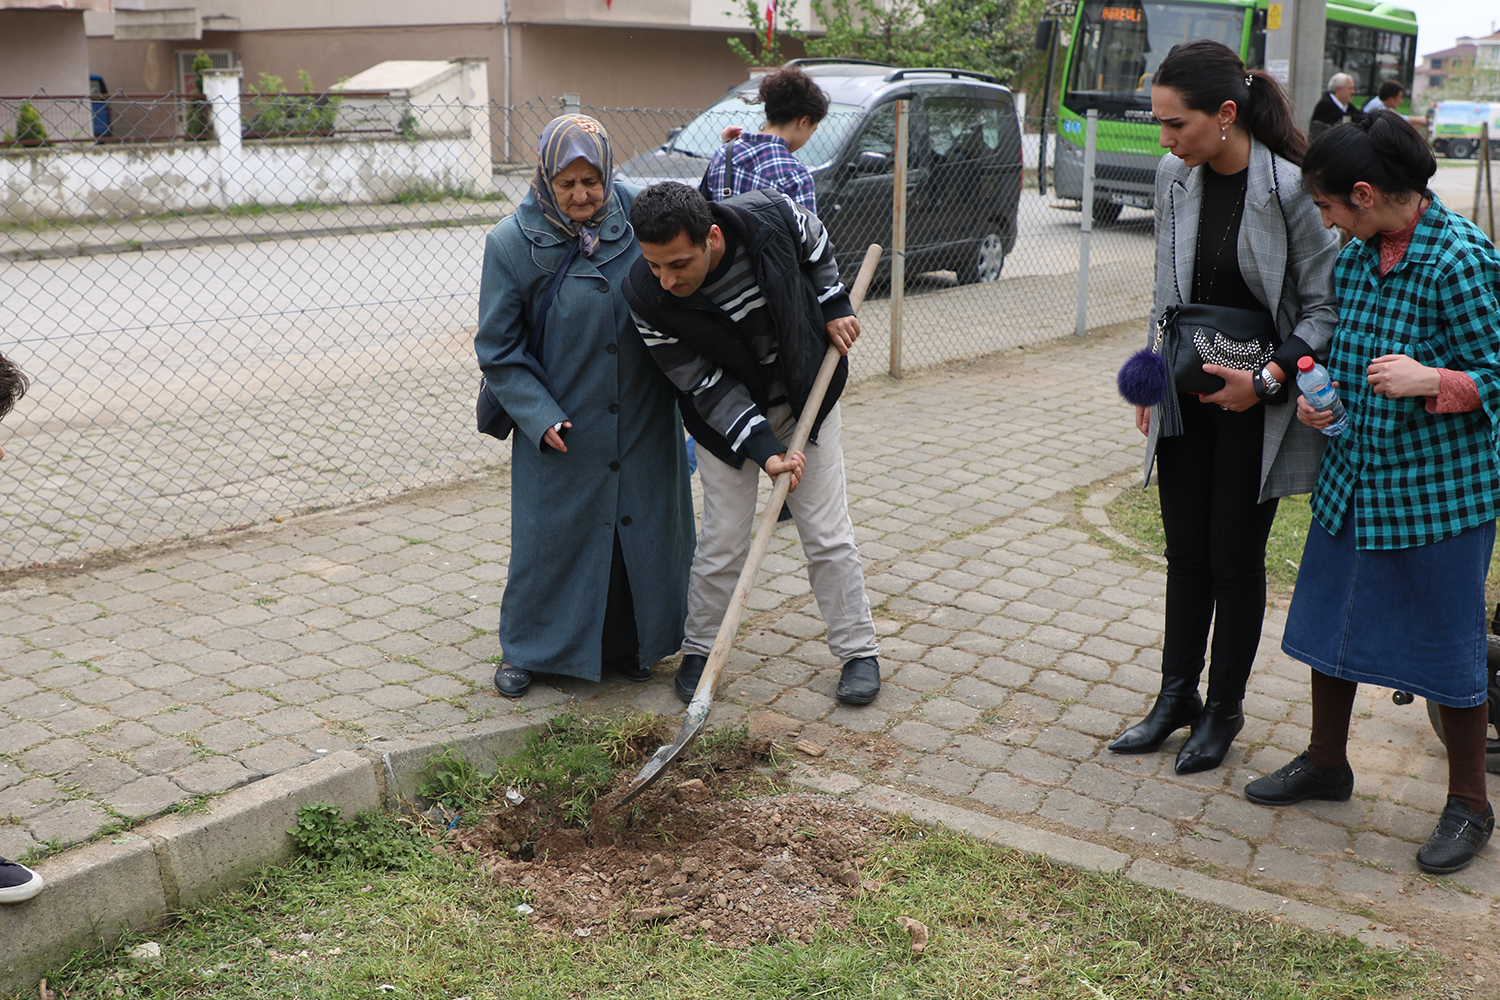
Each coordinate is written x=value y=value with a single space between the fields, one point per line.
x=765 y=228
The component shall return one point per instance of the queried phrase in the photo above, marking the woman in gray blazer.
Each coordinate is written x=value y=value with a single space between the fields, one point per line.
x=1234 y=227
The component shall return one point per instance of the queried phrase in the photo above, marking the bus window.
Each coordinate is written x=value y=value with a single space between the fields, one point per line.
x=1121 y=42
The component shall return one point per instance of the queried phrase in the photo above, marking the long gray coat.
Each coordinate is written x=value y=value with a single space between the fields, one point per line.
x=625 y=468
x=1288 y=263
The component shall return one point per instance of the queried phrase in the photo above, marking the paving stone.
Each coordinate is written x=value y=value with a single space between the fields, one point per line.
x=920 y=736
x=1283 y=865
x=1008 y=793
x=1142 y=826
x=274 y=756
x=1060 y=741
x=1040 y=768
x=1171 y=801
x=1101 y=784
x=70 y=823
x=1217 y=846
x=1074 y=810
x=948 y=776
x=145 y=797
x=948 y=714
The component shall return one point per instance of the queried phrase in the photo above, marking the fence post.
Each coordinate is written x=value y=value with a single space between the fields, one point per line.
x=571 y=104
x=221 y=91
x=1086 y=230
x=1484 y=179
x=474 y=104
x=898 y=236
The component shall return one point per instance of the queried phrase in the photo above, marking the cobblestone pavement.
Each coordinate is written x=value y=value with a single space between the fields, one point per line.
x=1018 y=637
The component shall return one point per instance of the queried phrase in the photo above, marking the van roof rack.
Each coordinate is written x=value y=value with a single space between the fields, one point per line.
x=957 y=74
x=811 y=61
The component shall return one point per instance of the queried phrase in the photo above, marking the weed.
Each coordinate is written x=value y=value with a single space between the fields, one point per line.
x=370 y=840
x=455 y=782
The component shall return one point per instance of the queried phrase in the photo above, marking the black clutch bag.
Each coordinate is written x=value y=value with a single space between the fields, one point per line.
x=1195 y=334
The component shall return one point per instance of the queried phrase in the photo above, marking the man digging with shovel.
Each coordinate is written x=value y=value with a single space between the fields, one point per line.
x=737 y=302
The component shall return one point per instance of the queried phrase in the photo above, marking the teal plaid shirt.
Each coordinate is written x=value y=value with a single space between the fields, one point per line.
x=1410 y=477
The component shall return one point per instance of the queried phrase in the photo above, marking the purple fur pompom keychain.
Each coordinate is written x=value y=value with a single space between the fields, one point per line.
x=1143 y=378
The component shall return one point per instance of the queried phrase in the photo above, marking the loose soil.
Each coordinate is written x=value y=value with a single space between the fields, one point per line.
x=706 y=851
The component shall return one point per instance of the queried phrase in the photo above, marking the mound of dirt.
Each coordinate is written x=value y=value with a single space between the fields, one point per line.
x=737 y=871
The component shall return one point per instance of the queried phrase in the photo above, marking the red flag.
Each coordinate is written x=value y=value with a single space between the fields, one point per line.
x=770 y=23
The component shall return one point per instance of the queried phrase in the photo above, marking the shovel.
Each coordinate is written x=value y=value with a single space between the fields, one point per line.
x=697 y=710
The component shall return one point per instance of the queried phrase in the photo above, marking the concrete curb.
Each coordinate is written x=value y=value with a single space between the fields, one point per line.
x=1103 y=860
x=102 y=890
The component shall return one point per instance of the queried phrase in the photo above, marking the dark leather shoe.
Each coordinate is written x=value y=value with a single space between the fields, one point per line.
x=860 y=681
x=512 y=681
x=1302 y=779
x=1457 y=838
x=630 y=668
x=1177 y=707
x=689 y=672
x=1212 y=735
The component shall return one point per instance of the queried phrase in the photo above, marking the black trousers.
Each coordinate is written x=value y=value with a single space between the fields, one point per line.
x=1216 y=531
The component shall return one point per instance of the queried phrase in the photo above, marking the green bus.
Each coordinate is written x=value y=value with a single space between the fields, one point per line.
x=1115 y=48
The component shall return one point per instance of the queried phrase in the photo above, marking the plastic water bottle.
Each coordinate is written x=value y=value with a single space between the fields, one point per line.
x=1313 y=380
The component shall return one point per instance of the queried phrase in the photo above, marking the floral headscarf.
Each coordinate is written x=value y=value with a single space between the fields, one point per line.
x=564 y=140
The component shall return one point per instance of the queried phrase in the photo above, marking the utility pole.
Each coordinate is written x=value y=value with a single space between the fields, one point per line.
x=1294 y=51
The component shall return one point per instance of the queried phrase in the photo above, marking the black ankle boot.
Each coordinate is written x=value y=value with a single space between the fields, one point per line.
x=1177 y=706
x=1215 y=730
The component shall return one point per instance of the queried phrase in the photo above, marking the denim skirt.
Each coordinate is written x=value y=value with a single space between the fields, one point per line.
x=1410 y=619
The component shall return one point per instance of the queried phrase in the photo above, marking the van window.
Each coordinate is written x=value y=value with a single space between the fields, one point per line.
x=700 y=137
x=962 y=127
x=879 y=136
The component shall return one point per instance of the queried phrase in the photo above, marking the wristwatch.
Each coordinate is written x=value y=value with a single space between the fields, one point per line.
x=1265 y=384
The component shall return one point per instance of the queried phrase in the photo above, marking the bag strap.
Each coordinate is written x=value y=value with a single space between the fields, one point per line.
x=727 y=191
x=534 y=335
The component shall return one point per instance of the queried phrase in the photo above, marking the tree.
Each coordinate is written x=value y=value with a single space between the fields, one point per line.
x=1469 y=82
x=986 y=36
x=765 y=39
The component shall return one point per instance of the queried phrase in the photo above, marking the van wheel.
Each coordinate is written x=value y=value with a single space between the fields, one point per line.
x=1491 y=743
x=1459 y=149
x=984 y=260
x=1106 y=212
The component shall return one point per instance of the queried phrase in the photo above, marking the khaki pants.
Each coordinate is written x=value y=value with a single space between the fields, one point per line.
x=821 y=513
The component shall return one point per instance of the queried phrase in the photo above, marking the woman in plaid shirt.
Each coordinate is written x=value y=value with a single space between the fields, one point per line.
x=763 y=161
x=1391 y=589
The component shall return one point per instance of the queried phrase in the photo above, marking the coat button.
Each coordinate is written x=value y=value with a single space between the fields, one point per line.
x=611 y=349
x=625 y=521
x=614 y=466
x=614 y=407
x=604 y=289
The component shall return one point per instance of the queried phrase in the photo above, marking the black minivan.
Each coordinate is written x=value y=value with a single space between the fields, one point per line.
x=963 y=175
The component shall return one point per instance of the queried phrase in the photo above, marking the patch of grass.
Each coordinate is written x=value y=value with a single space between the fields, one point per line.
x=1002 y=924
x=1136 y=513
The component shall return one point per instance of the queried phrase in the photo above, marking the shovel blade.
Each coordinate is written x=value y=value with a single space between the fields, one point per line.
x=692 y=726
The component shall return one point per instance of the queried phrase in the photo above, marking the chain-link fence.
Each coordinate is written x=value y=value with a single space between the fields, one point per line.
x=226 y=331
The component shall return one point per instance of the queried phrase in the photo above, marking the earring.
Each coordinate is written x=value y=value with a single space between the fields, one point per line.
x=1223 y=133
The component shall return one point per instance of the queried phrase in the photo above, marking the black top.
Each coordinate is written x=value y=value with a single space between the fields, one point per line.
x=1216 y=266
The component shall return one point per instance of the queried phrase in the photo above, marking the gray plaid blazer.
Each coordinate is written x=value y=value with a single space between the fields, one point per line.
x=1286 y=257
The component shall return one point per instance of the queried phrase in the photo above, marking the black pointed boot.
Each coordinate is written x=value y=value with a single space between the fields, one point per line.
x=1177 y=707
x=1215 y=730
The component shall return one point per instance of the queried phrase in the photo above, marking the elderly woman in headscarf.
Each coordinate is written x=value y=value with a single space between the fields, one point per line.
x=601 y=514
